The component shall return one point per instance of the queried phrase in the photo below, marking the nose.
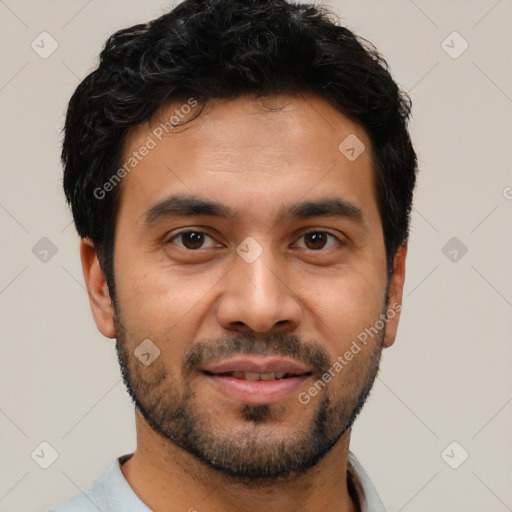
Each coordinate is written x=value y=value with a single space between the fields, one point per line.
x=257 y=297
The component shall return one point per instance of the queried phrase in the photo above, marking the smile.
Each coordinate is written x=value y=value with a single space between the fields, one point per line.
x=256 y=376
x=257 y=380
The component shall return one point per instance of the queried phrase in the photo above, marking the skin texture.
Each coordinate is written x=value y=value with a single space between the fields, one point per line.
x=308 y=298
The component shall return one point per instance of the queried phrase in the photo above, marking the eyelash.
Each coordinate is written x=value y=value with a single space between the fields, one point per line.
x=185 y=231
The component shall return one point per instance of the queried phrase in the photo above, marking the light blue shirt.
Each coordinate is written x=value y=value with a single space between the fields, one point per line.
x=112 y=493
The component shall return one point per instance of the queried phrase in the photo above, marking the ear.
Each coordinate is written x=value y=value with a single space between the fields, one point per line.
x=396 y=286
x=96 y=283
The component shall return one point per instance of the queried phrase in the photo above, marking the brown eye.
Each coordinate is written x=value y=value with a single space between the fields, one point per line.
x=190 y=239
x=317 y=240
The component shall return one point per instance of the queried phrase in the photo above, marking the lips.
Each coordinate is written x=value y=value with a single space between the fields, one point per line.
x=256 y=376
x=257 y=380
x=258 y=365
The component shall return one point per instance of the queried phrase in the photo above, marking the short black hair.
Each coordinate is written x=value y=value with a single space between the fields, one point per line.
x=225 y=49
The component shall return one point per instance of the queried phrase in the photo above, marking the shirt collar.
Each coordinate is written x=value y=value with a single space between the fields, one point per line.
x=358 y=480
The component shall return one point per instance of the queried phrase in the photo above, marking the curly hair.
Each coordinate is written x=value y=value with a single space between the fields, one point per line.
x=224 y=49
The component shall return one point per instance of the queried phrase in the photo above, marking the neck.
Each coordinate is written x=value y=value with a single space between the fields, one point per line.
x=168 y=479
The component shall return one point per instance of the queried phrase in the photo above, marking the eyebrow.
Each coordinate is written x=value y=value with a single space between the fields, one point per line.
x=191 y=206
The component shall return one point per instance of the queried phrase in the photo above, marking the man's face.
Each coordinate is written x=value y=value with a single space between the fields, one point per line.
x=265 y=292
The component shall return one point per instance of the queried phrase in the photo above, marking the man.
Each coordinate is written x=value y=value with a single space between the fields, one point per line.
x=241 y=176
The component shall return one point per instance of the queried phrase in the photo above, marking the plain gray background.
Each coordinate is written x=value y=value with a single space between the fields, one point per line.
x=446 y=379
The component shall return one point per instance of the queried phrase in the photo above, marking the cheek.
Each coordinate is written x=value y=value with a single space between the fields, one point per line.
x=345 y=307
x=162 y=304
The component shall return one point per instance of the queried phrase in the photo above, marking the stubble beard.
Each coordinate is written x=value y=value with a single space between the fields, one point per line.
x=259 y=452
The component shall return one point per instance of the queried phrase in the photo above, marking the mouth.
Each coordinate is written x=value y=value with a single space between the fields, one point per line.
x=258 y=376
x=257 y=381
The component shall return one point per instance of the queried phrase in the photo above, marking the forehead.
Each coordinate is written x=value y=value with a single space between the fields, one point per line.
x=246 y=151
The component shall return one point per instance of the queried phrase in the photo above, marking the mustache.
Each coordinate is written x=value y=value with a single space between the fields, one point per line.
x=276 y=344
